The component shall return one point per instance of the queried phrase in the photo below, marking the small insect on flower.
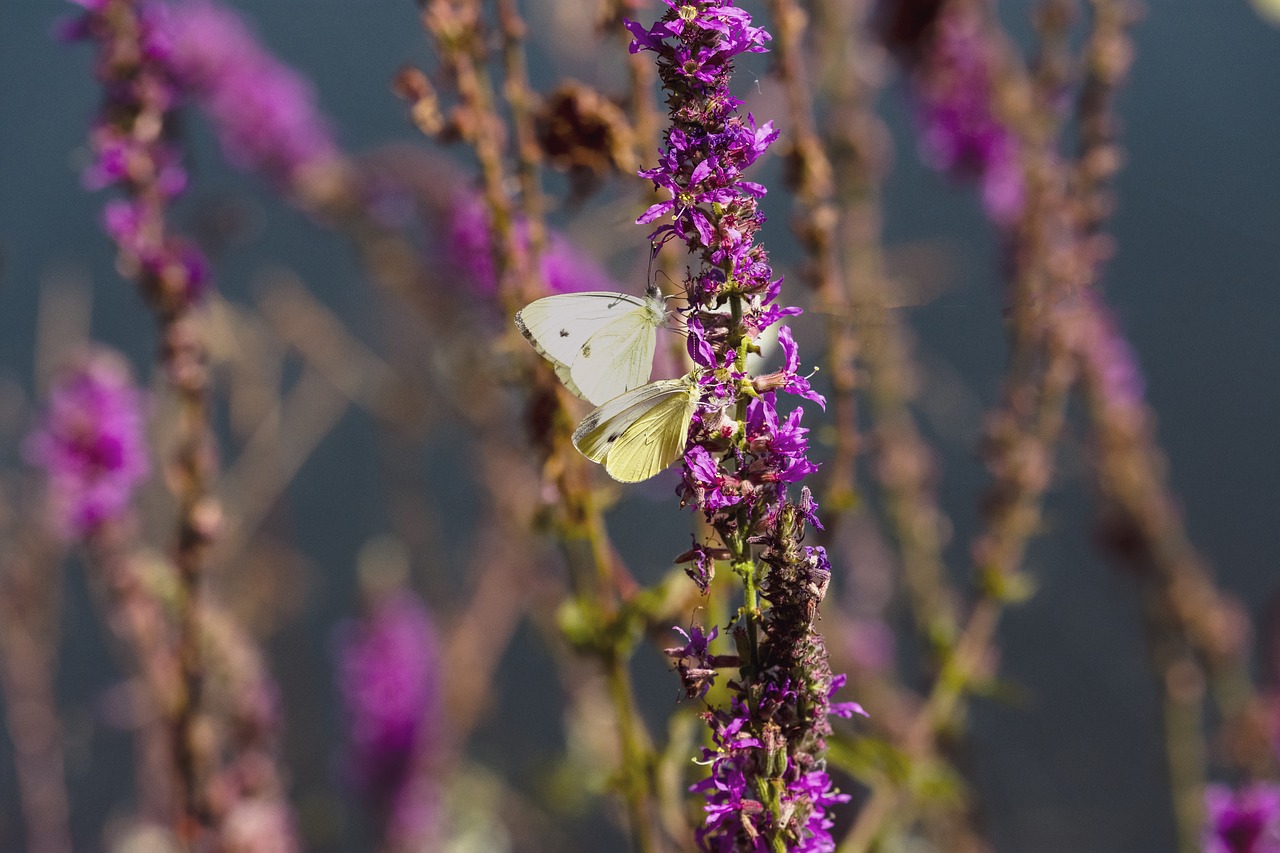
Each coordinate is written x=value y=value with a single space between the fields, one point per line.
x=600 y=343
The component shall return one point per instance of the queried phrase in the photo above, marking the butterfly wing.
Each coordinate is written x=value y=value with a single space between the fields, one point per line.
x=637 y=434
x=601 y=344
x=617 y=358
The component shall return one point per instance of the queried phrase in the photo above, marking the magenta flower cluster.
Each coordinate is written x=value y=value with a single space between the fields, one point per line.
x=388 y=669
x=153 y=57
x=468 y=246
x=1242 y=821
x=133 y=148
x=265 y=113
x=767 y=787
x=951 y=82
x=91 y=443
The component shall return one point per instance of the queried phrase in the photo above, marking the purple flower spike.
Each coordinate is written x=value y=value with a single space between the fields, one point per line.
x=91 y=443
x=469 y=248
x=767 y=787
x=388 y=671
x=264 y=111
x=133 y=148
x=951 y=81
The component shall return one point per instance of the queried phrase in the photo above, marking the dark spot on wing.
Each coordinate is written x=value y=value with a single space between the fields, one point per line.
x=564 y=333
x=586 y=350
x=611 y=439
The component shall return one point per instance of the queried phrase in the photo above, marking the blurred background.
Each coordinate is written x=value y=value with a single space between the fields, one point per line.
x=1074 y=761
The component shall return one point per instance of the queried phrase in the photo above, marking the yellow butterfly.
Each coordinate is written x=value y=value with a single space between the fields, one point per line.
x=637 y=434
x=601 y=344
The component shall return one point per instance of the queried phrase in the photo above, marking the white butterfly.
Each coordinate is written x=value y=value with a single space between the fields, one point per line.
x=637 y=434
x=601 y=344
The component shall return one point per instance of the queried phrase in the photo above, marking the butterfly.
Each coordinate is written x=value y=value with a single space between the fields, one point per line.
x=601 y=344
x=638 y=433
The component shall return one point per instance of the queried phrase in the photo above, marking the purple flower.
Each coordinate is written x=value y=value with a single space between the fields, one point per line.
x=468 y=246
x=264 y=111
x=1242 y=821
x=684 y=202
x=387 y=674
x=788 y=379
x=844 y=709
x=952 y=81
x=694 y=661
x=133 y=151
x=766 y=786
x=780 y=448
x=91 y=443
x=706 y=486
x=735 y=819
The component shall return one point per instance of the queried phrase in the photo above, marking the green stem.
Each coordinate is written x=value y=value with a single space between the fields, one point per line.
x=634 y=772
x=745 y=568
x=1183 y=687
x=636 y=758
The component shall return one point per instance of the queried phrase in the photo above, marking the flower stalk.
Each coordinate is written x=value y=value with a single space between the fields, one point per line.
x=133 y=151
x=767 y=788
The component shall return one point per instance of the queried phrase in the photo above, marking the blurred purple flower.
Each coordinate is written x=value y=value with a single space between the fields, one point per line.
x=388 y=671
x=951 y=82
x=468 y=246
x=133 y=146
x=264 y=111
x=1243 y=821
x=90 y=442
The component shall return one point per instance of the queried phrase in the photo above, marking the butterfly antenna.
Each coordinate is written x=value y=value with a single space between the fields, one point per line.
x=651 y=283
x=654 y=289
x=670 y=280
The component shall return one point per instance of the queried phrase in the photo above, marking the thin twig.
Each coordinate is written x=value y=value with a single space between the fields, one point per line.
x=456 y=27
x=30 y=605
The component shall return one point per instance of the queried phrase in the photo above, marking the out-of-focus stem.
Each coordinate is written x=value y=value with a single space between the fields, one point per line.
x=637 y=755
x=641 y=104
x=184 y=359
x=458 y=30
x=457 y=26
x=521 y=99
x=1182 y=683
x=1130 y=472
x=1023 y=433
x=1180 y=593
x=903 y=467
x=138 y=620
x=170 y=292
x=1021 y=483
x=635 y=773
x=1107 y=56
x=815 y=222
x=30 y=596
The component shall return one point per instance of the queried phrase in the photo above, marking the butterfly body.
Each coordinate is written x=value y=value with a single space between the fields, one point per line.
x=600 y=343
